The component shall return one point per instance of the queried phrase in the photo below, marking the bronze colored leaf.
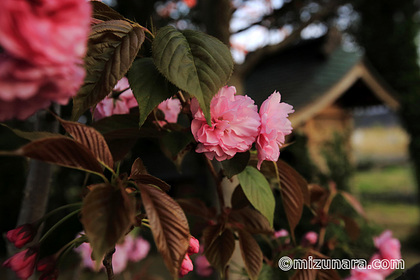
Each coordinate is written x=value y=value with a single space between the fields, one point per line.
x=354 y=203
x=219 y=246
x=107 y=215
x=150 y=180
x=289 y=176
x=351 y=227
x=251 y=254
x=138 y=168
x=305 y=274
x=168 y=224
x=61 y=151
x=92 y=139
x=250 y=220
x=197 y=207
x=293 y=201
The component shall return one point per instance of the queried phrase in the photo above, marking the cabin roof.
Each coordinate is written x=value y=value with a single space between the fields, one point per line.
x=310 y=80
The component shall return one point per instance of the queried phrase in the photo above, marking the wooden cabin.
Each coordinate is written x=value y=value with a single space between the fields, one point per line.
x=324 y=87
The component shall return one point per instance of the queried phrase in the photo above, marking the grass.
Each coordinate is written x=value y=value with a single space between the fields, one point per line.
x=389 y=179
x=385 y=194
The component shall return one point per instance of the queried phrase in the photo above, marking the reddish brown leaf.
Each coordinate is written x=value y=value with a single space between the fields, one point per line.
x=293 y=201
x=289 y=176
x=61 y=151
x=219 y=246
x=352 y=228
x=138 y=168
x=251 y=254
x=92 y=139
x=151 y=180
x=168 y=224
x=354 y=203
x=250 y=220
x=107 y=214
x=197 y=207
x=305 y=274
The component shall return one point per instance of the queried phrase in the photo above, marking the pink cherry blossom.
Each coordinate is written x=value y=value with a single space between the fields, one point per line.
x=274 y=127
x=234 y=125
x=203 y=267
x=310 y=238
x=389 y=248
x=45 y=32
x=116 y=105
x=132 y=249
x=26 y=88
x=171 y=108
x=281 y=233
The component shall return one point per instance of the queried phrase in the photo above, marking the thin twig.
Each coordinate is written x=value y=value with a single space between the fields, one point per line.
x=218 y=180
x=107 y=262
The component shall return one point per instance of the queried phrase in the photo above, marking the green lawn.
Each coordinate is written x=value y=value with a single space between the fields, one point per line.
x=388 y=179
x=385 y=193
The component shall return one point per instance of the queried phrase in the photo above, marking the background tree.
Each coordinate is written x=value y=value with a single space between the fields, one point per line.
x=387 y=30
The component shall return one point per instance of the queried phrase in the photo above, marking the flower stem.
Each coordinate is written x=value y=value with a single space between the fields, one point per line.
x=218 y=184
x=107 y=262
x=49 y=214
x=58 y=224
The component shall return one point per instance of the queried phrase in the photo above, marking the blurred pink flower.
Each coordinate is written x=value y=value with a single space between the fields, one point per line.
x=132 y=249
x=310 y=238
x=22 y=263
x=234 y=125
x=365 y=274
x=45 y=32
x=186 y=266
x=203 y=267
x=25 y=88
x=119 y=105
x=281 y=233
x=274 y=127
x=171 y=108
x=389 y=248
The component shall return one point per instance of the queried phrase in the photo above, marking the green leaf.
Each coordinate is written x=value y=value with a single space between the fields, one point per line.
x=251 y=254
x=258 y=191
x=112 y=47
x=61 y=151
x=168 y=224
x=107 y=215
x=91 y=139
x=236 y=164
x=176 y=141
x=149 y=87
x=193 y=61
x=30 y=135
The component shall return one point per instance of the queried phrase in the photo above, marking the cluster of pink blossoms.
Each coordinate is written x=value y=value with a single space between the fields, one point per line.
x=42 y=44
x=389 y=249
x=187 y=264
x=236 y=124
x=121 y=100
x=132 y=249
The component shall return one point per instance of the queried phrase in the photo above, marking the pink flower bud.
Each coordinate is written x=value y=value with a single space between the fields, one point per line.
x=186 y=266
x=22 y=263
x=194 y=247
x=310 y=238
x=21 y=235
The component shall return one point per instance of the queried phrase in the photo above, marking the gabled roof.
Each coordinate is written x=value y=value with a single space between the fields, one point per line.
x=310 y=80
